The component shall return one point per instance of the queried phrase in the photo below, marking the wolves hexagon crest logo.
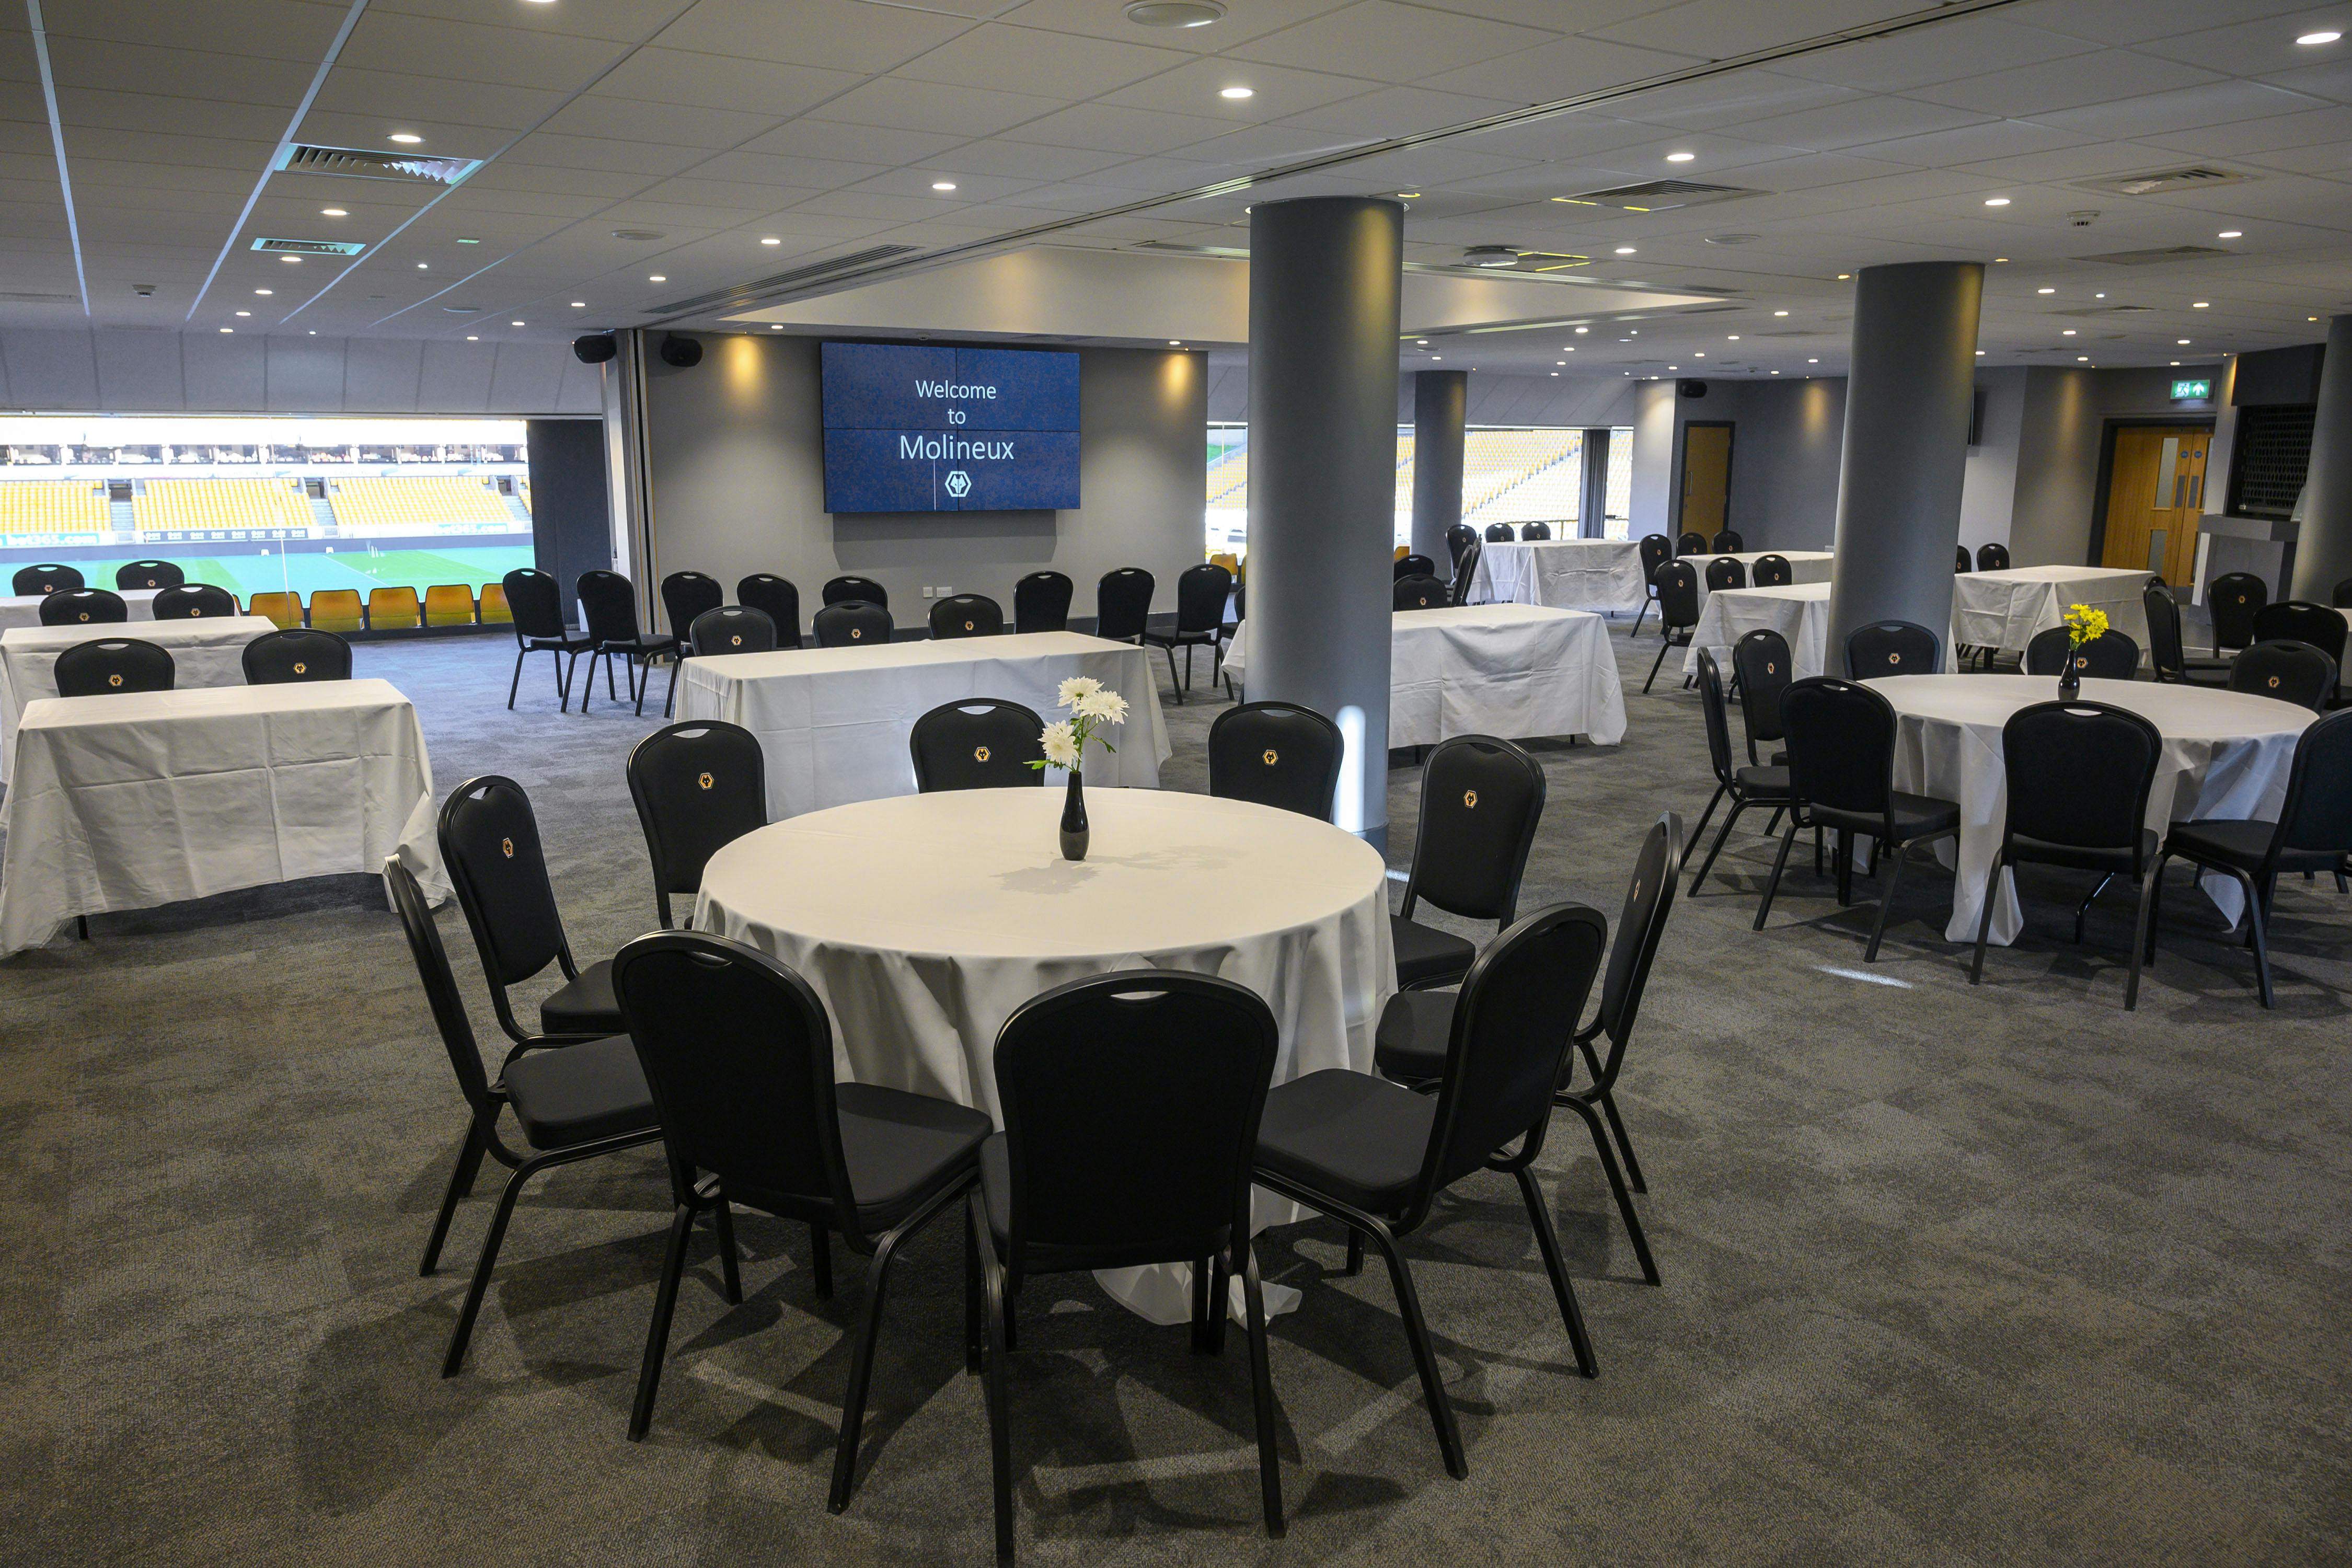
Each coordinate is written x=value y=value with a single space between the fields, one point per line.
x=959 y=483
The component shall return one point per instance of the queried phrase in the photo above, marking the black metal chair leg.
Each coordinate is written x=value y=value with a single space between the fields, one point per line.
x=2082 y=911
x=2142 y=934
x=461 y=1185
x=1845 y=852
x=567 y=676
x=861 y=1373
x=1548 y=1243
x=722 y=1222
x=641 y=1412
x=1984 y=919
x=1000 y=1433
x=1898 y=855
x=1663 y=648
x=2257 y=919
x=1201 y=1269
x=1355 y=1252
x=1616 y=1125
x=1174 y=684
x=975 y=1333
x=1617 y=1185
x=1708 y=864
x=607 y=656
x=463 y=1329
x=1220 y=1275
x=2154 y=907
x=515 y=685
x=1424 y=1356
x=1780 y=862
x=1690 y=845
x=820 y=1260
x=670 y=698
x=1269 y=1460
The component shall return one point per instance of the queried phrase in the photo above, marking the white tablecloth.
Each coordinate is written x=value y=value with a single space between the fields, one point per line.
x=2004 y=609
x=834 y=721
x=130 y=801
x=1799 y=612
x=24 y=610
x=2226 y=754
x=204 y=653
x=1513 y=671
x=924 y=920
x=1563 y=573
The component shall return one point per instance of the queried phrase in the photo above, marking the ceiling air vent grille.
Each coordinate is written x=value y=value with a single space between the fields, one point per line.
x=312 y=247
x=1654 y=196
x=2149 y=257
x=738 y=292
x=360 y=164
x=2196 y=177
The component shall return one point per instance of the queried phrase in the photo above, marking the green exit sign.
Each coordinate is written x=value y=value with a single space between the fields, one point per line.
x=2192 y=392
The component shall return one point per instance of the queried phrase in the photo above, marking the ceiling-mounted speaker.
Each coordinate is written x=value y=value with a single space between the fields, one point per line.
x=683 y=352
x=594 y=349
x=1690 y=388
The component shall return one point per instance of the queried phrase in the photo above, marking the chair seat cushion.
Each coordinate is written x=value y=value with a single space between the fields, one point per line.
x=1424 y=953
x=642 y=643
x=1357 y=1138
x=900 y=1149
x=2223 y=842
x=1414 y=1029
x=2082 y=856
x=1762 y=784
x=1180 y=638
x=564 y=1095
x=1914 y=816
x=585 y=1006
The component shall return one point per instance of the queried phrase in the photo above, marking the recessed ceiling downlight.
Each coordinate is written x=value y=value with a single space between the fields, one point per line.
x=1174 y=13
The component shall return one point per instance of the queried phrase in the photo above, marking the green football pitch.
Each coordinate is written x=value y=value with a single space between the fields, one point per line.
x=305 y=572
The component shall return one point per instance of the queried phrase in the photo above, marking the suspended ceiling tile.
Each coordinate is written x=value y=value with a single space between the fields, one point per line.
x=674 y=124
x=390 y=97
x=2071 y=83
x=932 y=106
x=762 y=168
x=1399 y=112
x=1137 y=131
x=1032 y=160
x=1565 y=69
x=1975 y=143
x=838 y=34
x=1066 y=66
x=506 y=57
x=1277 y=92
x=2213 y=104
x=1862 y=120
x=1395 y=43
x=722 y=82
x=871 y=144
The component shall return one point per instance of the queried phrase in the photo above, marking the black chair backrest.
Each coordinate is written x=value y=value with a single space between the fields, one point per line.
x=1419 y=593
x=698 y=787
x=738 y=1052
x=148 y=575
x=1413 y=566
x=2233 y=598
x=2079 y=773
x=980 y=743
x=194 y=601
x=1201 y=595
x=776 y=598
x=1041 y=602
x=1760 y=662
x=1718 y=713
x=967 y=615
x=608 y=603
x=1465 y=572
x=1130 y=1104
x=686 y=594
x=1772 y=572
x=2165 y=651
x=83 y=606
x=1511 y=1033
x=1649 y=899
x=297 y=653
x=1480 y=801
x=2291 y=671
x=1892 y=647
x=1992 y=557
x=730 y=629
x=2111 y=656
x=2342 y=596
x=441 y=991
x=1724 y=572
x=1123 y=604
x=852 y=623
x=1535 y=530
x=536 y=601
x=1498 y=534
x=841 y=590
x=1657 y=551
x=1727 y=541
x=1691 y=542
x=490 y=842
x=2318 y=812
x=1459 y=537
x=1962 y=561
x=2299 y=620
x=109 y=666
x=1277 y=754
x=1677 y=586
x=50 y=577
x=1840 y=744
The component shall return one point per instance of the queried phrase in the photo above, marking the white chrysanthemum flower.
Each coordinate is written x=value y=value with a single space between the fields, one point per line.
x=1061 y=745
x=1107 y=706
x=1077 y=688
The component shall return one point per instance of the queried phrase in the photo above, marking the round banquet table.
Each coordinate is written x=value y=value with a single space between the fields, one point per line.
x=2226 y=754
x=924 y=920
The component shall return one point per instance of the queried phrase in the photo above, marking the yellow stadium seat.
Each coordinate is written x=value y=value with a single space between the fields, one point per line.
x=389 y=609
x=1402 y=551
x=495 y=611
x=336 y=610
x=285 y=609
x=447 y=604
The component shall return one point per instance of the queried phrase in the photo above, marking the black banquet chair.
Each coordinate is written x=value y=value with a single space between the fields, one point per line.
x=698 y=787
x=979 y=742
x=2341 y=597
x=1675 y=587
x=1761 y=670
x=1960 y=562
x=1041 y=602
x=1534 y=531
x=1278 y=755
x=966 y=616
x=2111 y=656
x=738 y=1051
x=2166 y=652
x=1201 y=595
x=1419 y=593
x=1656 y=550
x=148 y=575
x=777 y=598
x=1465 y=572
x=2299 y=620
x=295 y=654
x=608 y=601
x=490 y=842
x=1123 y=604
x=1498 y=534
x=83 y=606
x=537 y=605
x=1132 y=1108
x=1743 y=786
x=573 y=1099
x=1772 y=572
x=48 y=577
x=1725 y=572
x=1374 y=1155
x=727 y=629
x=1459 y=538
x=1727 y=541
x=1480 y=801
x=194 y=601
x=2233 y=599
x=1690 y=541
x=2312 y=833
x=1992 y=557
x=852 y=623
x=2079 y=776
x=2293 y=672
x=841 y=590
x=1413 y=566
x=1892 y=647
x=1840 y=771
x=685 y=595
x=112 y=666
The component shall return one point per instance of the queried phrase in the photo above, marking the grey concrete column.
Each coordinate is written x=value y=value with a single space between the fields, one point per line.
x=1592 y=510
x=1325 y=273
x=2323 y=551
x=1912 y=379
x=1441 y=402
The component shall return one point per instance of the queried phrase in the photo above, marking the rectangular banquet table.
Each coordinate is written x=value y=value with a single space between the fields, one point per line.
x=24 y=610
x=2003 y=610
x=133 y=800
x=834 y=721
x=1602 y=575
x=1513 y=671
x=204 y=653
x=1800 y=612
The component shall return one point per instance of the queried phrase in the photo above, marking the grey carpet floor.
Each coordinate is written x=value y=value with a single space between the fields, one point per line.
x=1952 y=1276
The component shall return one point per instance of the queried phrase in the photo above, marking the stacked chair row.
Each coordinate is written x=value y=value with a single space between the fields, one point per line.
x=114 y=666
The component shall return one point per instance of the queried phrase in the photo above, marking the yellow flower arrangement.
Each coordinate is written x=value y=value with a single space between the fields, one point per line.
x=2084 y=624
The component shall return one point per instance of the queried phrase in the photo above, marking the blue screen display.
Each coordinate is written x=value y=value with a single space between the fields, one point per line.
x=948 y=429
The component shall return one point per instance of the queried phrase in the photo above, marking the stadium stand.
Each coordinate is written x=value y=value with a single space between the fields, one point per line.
x=418 y=505
x=170 y=507
x=37 y=510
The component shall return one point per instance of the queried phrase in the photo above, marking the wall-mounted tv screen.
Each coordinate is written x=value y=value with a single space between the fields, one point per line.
x=919 y=428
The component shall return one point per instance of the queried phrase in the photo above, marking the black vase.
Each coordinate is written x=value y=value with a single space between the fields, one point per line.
x=2070 y=679
x=1074 y=819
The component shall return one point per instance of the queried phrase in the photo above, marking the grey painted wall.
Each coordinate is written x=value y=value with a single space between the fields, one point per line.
x=736 y=458
x=156 y=370
x=1654 y=430
x=1578 y=403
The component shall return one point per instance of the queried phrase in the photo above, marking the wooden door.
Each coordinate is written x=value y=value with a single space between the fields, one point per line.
x=1707 y=478
x=2155 y=483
